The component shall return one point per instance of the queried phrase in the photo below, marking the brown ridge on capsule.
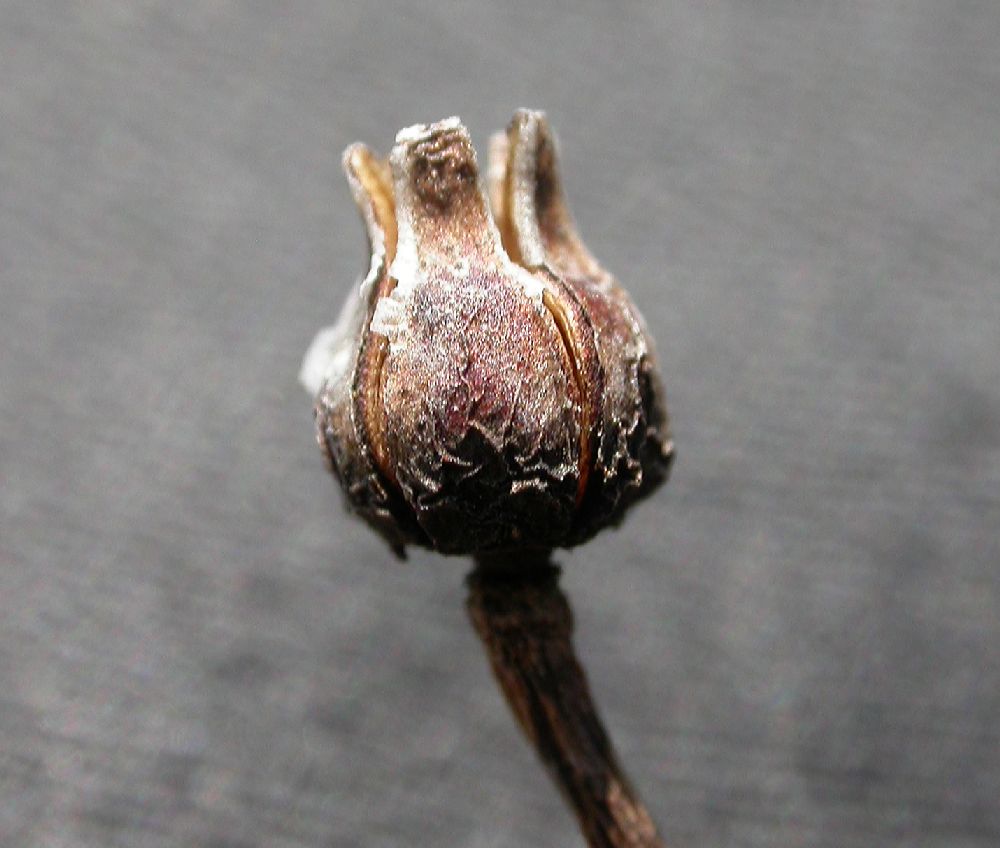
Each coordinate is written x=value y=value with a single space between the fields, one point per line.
x=480 y=398
x=561 y=302
x=634 y=449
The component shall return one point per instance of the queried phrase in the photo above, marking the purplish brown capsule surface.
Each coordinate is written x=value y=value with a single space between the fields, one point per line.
x=488 y=385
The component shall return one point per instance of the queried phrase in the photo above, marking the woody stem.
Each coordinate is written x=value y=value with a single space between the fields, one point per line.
x=525 y=622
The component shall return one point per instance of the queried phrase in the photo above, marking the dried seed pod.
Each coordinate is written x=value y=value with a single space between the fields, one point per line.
x=488 y=386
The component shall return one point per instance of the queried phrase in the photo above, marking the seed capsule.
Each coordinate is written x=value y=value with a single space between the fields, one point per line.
x=488 y=385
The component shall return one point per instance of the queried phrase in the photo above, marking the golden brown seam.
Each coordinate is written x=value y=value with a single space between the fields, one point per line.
x=373 y=174
x=555 y=309
x=505 y=217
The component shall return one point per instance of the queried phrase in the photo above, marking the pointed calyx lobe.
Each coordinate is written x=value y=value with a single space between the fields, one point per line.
x=633 y=447
x=498 y=388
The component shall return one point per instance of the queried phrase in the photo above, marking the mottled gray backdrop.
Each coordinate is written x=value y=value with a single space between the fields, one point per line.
x=797 y=643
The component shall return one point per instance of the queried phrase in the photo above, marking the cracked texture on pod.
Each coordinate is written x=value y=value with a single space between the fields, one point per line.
x=488 y=385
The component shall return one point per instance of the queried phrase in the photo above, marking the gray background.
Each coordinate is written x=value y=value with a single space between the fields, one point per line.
x=794 y=643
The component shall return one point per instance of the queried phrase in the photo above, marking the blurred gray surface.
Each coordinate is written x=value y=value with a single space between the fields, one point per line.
x=797 y=643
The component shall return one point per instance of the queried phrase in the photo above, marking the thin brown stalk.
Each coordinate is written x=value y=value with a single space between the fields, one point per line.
x=525 y=623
